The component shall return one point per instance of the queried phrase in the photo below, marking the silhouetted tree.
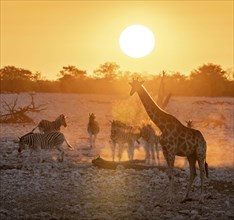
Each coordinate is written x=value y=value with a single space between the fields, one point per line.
x=108 y=71
x=72 y=72
x=14 y=73
x=15 y=79
x=209 y=79
x=37 y=76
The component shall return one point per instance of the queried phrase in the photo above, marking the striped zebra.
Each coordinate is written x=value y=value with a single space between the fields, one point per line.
x=39 y=141
x=151 y=143
x=93 y=129
x=46 y=126
x=122 y=134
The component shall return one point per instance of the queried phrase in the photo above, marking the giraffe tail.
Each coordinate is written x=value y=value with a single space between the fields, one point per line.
x=206 y=169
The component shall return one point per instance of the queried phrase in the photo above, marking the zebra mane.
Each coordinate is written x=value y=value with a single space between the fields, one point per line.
x=31 y=132
x=60 y=116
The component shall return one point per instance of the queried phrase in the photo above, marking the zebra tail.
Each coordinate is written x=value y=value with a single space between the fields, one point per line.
x=70 y=147
x=206 y=169
x=68 y=144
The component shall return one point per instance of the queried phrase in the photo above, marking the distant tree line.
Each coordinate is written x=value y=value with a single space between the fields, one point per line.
x=207 y=80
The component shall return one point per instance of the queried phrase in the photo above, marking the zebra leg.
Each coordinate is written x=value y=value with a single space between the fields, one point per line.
x=94 y=140
x=41 y=156
x=113 y=145
x=132 y=151
x=152 y=152
x=91 y=140
x=129 y=151
x=120 y=151
x=29 y=157
x=60 y=157
x=146 y=152
x=157 y=152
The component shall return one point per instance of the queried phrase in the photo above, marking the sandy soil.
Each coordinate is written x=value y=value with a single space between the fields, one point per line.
x=75 y=189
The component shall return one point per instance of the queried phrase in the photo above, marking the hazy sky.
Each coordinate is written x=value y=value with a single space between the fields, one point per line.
x=47 y=35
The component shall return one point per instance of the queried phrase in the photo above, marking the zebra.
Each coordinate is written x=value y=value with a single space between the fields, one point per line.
x=93 y=129
x=46 y=126
x=39 y=141
x=121 y=134
x=151 y=143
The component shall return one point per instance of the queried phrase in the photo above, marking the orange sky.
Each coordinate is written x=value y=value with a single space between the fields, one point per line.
x=46 y=35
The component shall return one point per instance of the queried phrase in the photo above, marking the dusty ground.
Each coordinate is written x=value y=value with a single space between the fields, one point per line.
x=75 y=189
x=68 y=190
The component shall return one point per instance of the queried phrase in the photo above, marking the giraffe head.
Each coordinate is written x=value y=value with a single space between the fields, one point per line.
x=136 y=85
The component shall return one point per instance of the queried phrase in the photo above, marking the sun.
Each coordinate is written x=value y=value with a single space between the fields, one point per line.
x=137 y=41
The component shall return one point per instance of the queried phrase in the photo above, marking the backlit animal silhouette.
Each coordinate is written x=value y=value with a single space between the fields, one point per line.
x=93 y=129
x=46 y=126
x=151 y=142
x=123 y=134
x=176 y=139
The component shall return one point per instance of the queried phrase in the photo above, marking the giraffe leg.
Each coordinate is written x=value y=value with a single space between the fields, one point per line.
x=171 y=179
x=201 y=167
x=170 y=158
x=192 y=166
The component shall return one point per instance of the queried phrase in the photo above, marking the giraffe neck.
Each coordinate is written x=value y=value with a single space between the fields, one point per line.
x=156 y=114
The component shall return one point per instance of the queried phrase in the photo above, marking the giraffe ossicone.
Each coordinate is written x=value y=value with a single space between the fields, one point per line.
x=176 y=140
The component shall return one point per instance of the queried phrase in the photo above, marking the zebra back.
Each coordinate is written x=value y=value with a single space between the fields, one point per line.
x=122 y=133
x=46 y=126
x=93 y=126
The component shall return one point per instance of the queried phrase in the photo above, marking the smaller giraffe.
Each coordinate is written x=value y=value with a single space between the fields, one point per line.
x=93 y=129
x=151 y=142
x=189 y=123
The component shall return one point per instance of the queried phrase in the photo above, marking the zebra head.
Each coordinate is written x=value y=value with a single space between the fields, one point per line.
x=62 y=120
x=22 y=141
x=92 y=117
x=136 y=85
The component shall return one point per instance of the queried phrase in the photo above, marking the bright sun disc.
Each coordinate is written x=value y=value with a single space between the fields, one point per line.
x=137 y=41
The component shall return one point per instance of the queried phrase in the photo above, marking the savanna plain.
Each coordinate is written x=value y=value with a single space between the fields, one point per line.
x=76 y=189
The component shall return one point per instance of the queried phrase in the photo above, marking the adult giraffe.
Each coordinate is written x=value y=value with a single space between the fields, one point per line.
x=176 y=139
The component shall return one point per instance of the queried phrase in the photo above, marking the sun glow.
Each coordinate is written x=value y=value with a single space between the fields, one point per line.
x=137 y=41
